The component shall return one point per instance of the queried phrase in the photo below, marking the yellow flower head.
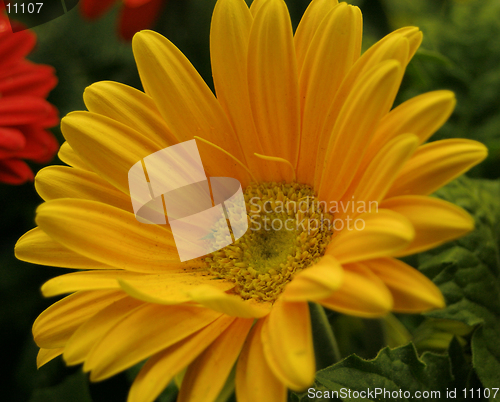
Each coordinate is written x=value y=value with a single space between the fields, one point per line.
x=304 y=122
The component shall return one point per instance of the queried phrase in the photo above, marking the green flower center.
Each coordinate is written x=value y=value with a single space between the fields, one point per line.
x=288 y=232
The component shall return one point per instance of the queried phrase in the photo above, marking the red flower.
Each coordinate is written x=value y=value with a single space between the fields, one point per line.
x=24 y=112
x=135 y=14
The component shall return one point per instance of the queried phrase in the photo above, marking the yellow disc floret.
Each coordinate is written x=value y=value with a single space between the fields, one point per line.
x=288 y=232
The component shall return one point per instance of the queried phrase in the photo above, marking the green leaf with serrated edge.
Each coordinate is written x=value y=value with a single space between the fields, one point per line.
x=399 y=372
x=467 y=272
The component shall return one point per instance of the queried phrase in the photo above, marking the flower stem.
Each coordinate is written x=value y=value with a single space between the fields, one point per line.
x=325 y=344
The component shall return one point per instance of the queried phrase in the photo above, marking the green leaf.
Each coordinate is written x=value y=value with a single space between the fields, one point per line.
x=467 y=272
x=397 y=372
x=464 y=375
x=458 y=54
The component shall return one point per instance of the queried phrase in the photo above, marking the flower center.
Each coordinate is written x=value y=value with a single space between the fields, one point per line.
x=288 y=231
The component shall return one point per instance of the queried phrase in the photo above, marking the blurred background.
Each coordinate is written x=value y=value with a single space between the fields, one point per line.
x=460 y=52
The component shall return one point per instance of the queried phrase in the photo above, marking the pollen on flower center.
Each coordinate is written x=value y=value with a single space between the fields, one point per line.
x=288 y=232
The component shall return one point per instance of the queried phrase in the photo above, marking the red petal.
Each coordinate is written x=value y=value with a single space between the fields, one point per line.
x=5 y=26
x=52 y=118
x=26 y=78
x=134 y=19
x=13 y=47
x=135 y=3
x=41 y=145
x=11 y=140
x=21 y=110
x=14 y=171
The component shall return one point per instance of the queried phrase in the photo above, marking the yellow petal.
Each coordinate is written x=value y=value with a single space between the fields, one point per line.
x=370 y=99
x=46 y=355
x=394 y=48
x=55 y=182
x=37 y=247
x=131 y=107
x=378 y=176
x=171 y=288
x=255 y=6
x=362 y=294
x=91 y=332
x=411 y=290
x=422 y=115
x=55 y=325
x=308 y=26
x=399 y=45
x=435 y=164
x=330 y=56
x=116 y=239
x=205 y=377
x=316 y=282
x=254 y=379
x=69 y=156
x=435 y=221
x=273 y=83
x=186 y=103
x=87 y=280
x=288 y=344
x=377 y=234
x=229 y=35
x=228 y=304
x=161 y=368
x=108 y=147
x=412 y=34
x=150 y=329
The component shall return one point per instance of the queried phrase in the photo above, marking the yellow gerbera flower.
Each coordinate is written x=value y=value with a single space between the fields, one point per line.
x=296 y=117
